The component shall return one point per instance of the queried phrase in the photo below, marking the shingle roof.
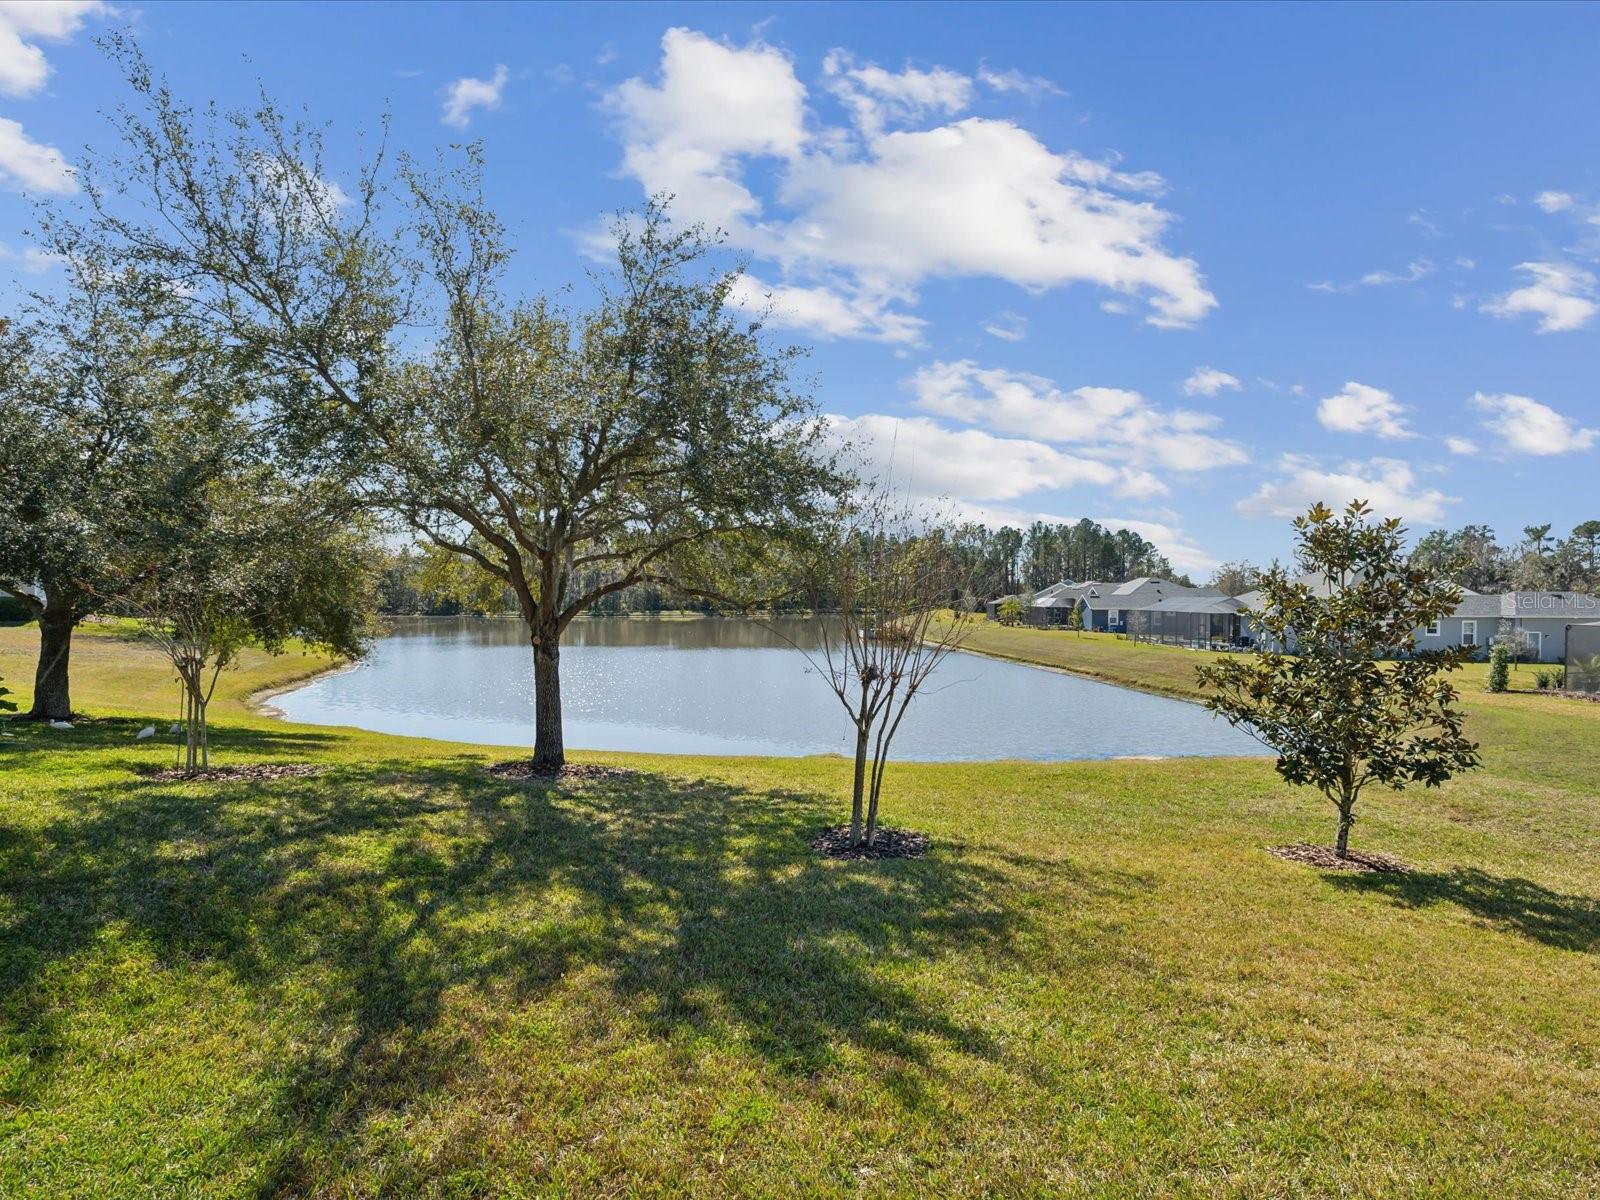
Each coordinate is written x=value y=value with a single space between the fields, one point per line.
x=1551 y=605
x=1194 y=604
x=1133 y=585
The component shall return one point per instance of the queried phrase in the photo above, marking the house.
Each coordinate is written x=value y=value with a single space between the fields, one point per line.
x=1106 y=605
x=1533 y=623
x=1200 y=620
x=1047 y=606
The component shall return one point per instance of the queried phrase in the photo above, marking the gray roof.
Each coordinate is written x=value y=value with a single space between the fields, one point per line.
x=1133 y=585
x=1195 y=604
x=1554 y=606
x=1551 y=606
x=1144 y=592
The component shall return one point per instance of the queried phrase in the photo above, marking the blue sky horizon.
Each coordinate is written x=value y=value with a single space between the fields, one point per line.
x=1184 y=269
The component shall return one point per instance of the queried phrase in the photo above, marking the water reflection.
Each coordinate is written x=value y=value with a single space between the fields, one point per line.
x=729 y=686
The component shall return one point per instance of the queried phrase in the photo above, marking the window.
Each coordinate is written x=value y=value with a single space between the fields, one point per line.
x=1113 y=616
x=1469 y=633
x=1432 y=630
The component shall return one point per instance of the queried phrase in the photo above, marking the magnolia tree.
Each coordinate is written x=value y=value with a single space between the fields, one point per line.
x=885 y=573
x=645 y=438
x=1354 y=703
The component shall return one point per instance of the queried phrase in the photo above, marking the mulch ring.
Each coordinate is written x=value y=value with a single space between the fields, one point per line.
x=251 y=771
x=1323 y=857
x=571 y=773
x=886 y=843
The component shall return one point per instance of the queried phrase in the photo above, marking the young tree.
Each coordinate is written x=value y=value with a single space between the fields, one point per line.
x=1075 y=620
x=887 y=573
x=568 y=455
x=249 y=559
x=1009 y=611
x=1339 y=715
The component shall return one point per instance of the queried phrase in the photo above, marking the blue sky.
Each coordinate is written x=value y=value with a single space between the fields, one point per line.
x=1184 y=269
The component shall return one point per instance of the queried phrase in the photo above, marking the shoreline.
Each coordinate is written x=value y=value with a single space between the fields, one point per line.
x=1091 y=676
x=260 y=701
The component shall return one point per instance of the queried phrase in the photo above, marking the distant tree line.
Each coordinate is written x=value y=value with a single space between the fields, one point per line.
x=991 y=562
x=1473 y=557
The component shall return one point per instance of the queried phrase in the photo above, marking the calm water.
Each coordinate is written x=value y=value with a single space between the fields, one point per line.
x=731 y=687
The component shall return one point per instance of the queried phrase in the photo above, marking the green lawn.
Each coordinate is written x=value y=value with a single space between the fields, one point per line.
x=405 y=977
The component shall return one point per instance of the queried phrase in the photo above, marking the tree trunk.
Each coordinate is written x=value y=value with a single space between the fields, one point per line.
x=1346 y=819
x=549 y=751
x=858 y=788
x=52 y=695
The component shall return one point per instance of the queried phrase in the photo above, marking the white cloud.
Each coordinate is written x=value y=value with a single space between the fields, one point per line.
x=1388 y=484
x=980 y=477
x=826 y=312
x=1208 y=381
x=1007 y=326
x=1416 y=270
x=1034 y=87
x=1560 y=294
x=876 y=97
x=1358 y=408
x=1461 y=445
x=30 y=260
x=1524 y=425
x=29 y=166
x=929 y=460
x=888 y=211
x=1422 y=221
x=1554 y=202
x=1108 y=423
x=467 y=94
x=23 y=66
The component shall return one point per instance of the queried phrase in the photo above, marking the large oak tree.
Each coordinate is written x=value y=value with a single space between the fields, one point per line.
x=649 y=437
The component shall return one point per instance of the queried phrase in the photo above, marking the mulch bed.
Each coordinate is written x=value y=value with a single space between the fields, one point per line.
x=250 y=771
x=571 y=773
x=1324 y=858
x=886 y=843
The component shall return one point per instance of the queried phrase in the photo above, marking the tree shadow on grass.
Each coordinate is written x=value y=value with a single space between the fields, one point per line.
x=30 y=739
x=1567 y=922
x=357 y=908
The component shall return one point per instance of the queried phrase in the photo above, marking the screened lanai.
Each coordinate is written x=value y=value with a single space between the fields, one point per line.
x=1203 y=622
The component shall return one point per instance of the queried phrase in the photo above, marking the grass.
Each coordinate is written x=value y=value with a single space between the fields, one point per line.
x=406 y=977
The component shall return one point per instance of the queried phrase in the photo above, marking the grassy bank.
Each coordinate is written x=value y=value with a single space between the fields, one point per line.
x=403 y=976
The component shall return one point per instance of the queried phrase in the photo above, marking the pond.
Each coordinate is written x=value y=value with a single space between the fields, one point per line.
x=729 y=686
